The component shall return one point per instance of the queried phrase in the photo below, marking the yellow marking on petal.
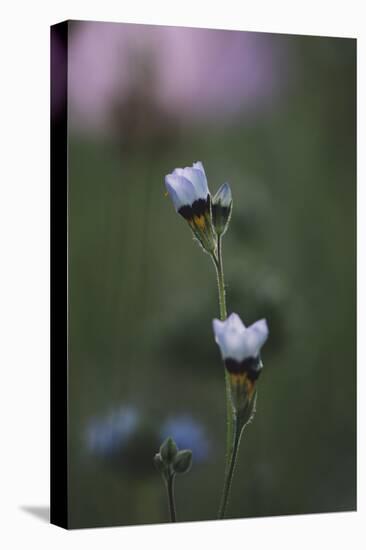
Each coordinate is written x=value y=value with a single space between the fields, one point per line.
x=250 y=388
x=199 y=221
x=241 y=379
x=238 y=378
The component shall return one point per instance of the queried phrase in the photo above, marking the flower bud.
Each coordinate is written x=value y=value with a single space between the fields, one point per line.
x=159 y=464
x=222 y=205
x=168 y=450
x=182 y=462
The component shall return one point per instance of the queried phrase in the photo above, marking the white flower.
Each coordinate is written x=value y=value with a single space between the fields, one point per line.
x=238 y=342
x=188 y=189
x=187 y=186
x=240 y=347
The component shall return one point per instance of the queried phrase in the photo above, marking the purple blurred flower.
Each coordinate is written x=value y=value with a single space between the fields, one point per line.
x=188 y=434
x=196 y=72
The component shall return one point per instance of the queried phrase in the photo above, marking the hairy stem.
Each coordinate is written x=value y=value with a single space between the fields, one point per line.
x=217 y=259
x=230 y=467
x=220 y=279
x=171 y=498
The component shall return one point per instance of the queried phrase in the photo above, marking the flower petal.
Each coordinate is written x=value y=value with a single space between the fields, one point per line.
x=237 y=342
x=256 y=335
x=178 y=172
x=219 y=329
x=181 y=190
x=196 y=176
x=236 y=345
x=219 y=332
x=223 y=196
x=198 y=179
x=233 y=322
x=199 y=166
x=229 y=336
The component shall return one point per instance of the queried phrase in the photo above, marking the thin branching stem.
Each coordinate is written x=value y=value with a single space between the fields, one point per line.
x=230 y=467
x=217 y=260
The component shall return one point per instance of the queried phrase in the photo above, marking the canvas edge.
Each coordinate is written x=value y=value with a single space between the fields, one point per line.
x=59 y=513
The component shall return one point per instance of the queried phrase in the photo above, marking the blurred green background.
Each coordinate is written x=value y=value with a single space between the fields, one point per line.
x=142 y=294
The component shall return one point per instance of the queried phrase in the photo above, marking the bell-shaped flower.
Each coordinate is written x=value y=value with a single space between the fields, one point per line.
x=222 y=205
x=188 y=189
x=240 y=349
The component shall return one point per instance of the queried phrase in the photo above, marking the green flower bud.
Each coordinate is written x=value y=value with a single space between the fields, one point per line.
x=168 y=450
x=159 y=464
x=182 y=462
x=222 y=205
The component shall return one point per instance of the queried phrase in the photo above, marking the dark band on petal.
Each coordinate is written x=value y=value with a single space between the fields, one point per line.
x=186 y=211
x=198 y=208
x=220 y=217
x=251 y=366
x=223 y=211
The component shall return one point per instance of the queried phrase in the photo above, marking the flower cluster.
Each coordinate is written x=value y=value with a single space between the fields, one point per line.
x=240 y=346
x=209 y=219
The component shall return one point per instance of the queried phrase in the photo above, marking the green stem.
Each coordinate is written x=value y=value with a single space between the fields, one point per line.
x=220 y=279
x=223 y=314
x=231 y=467
x=171 y=499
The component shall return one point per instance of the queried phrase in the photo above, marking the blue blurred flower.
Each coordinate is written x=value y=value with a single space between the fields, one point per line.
x=188 y=434
x=124 y=440
x=110 y=434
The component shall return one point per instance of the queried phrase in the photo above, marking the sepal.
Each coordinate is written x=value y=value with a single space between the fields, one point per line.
x=168 y=450
x=222 y=205
x=182 y=462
